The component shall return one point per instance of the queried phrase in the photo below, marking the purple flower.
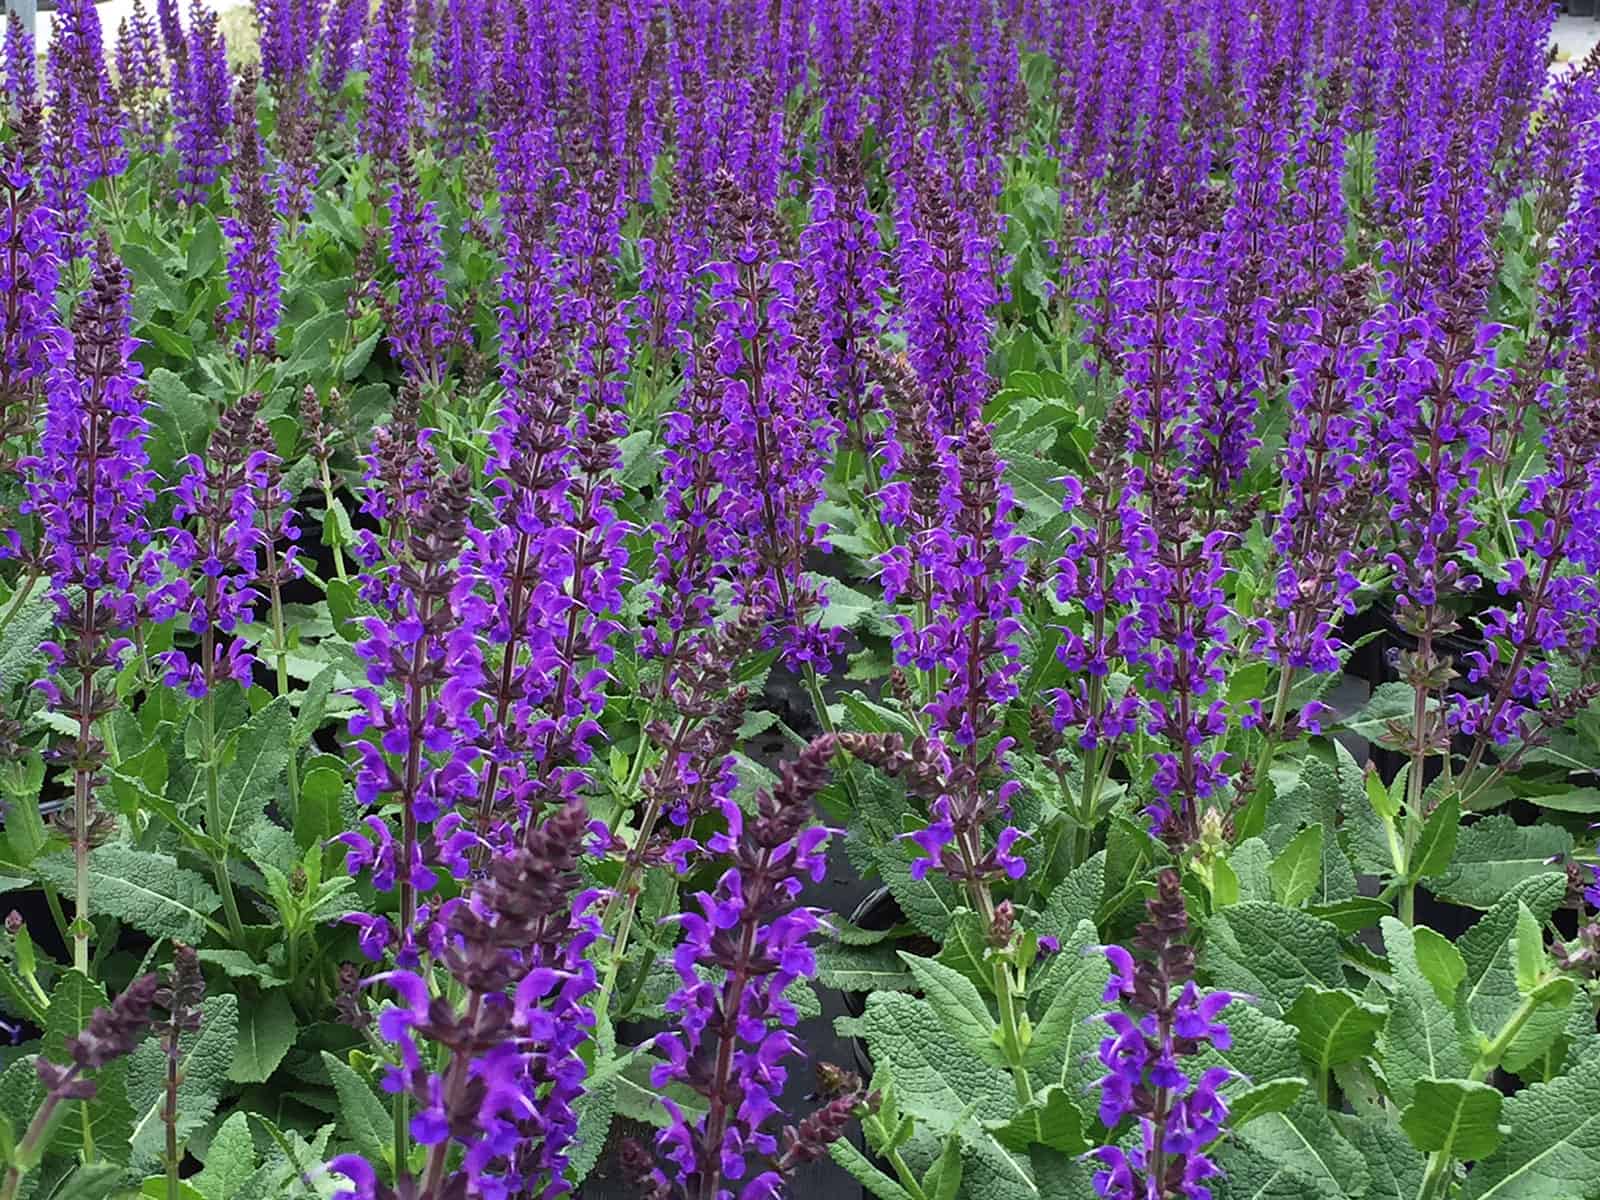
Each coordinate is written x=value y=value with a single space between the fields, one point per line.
x=255 y=288
x=21 y=81
x=732 y=1020
x=1180 y=1115
x=202 y=104
x=386 y=124
x=419 y=329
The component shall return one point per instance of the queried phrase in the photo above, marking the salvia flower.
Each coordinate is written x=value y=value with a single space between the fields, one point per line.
x=255 y=278
x=202 y=105
x=747 y=943
x=21 y=70
x=1160 y=1020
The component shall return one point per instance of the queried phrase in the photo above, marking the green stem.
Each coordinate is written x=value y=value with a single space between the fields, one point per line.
x=814 y=686
x=230 y=904
x=282 y=652
x=1012 y=1033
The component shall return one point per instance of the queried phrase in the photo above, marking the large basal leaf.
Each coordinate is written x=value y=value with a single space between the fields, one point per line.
x=959 y=1007
x=1424 y=1036
x=1270 y=952
x=141 y=888
x=366 y=1120
x=1493 y=855
x=266 y=1031
x=230 y=1160
x=1334 y=1026
x=100 y=1124
x=1552 y=1151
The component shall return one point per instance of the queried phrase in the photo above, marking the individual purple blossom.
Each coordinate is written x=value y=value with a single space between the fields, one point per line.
x=255 y=278
x=1162 y=1018
x=202 y=105
x=731 y=1017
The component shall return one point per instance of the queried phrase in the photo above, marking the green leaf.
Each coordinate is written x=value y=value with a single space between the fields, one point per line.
x=1584 y=800
x=1491 y=984
x=928 y=903
x=1424 y=1037
x=1456 y=1118
x=266 y=1031
x=943 y=1180
x=230 y=1160
x=204 y=1057
x=1051 y=1119
x=1440 y=962
x=1395 y=1164
x=364 y=1118
x=236 y=964
x=1076 y=898
x=965 y=949
x=1437 y=845
x=1274 y=1096
x=1552 y=1149
x=93 y=1181
x=1066 y=1032
x=844 y=1152
x=204 y=246
x=1494 y=854
x=1270 y=951
x=861 y=968
x=140 y=888
x=101 y=1123
x=251 y=780
x=958 y=1005
x=1383 y=803
x=939 y=1080
x=1528 y=956
x=1297 y=871
x=1334 y=1026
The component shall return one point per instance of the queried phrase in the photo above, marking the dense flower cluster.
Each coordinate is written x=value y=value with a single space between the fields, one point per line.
x=1180 y=1112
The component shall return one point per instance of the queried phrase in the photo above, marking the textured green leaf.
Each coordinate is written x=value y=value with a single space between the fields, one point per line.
x=1050 y=1120
x=1491 y=984
x=204 y=1057
x=266 y=1031
x=252 y=780
x=230 y=1160
x=1248 y=1174
x=1457 y=1118
x=1440 y=962
x=141 y=888
x=92 y=1181
x=929 y=903
x=1493 y=855
x=938 y=1080
x=1395 y=1165
x=1272 y=952
x=1423 y=1037
x=861 y=968
x=1066 y=1033
x=1334 y=1026
x=1552 y=1151
x=100 y=1124
x=1437 y=845
x=1302 y=1138
x=1274 y=1096
x=965 y=949
x=958 y=1005
x=844 y=1152
x=1076 y=898
x=1298 y=869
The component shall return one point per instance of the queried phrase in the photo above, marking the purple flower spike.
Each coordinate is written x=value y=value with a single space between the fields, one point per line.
x=1179 y=1116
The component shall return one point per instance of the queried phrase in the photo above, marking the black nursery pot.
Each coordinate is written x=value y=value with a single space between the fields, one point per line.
x=1580 y=8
